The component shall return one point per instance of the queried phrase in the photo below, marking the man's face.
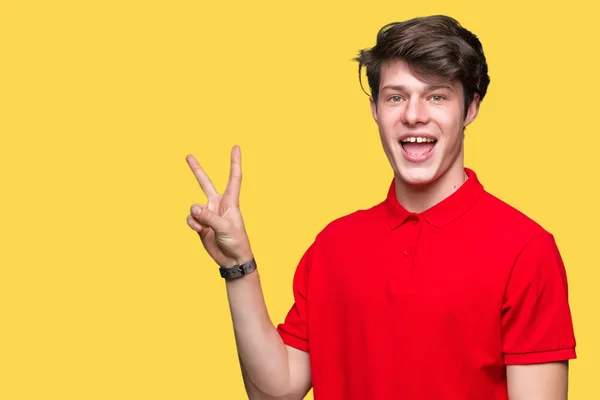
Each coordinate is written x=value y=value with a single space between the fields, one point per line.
x=421 y=124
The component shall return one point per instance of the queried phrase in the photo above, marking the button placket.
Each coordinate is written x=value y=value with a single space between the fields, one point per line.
x=408 y=233
x=415 y=227
x=409 y=250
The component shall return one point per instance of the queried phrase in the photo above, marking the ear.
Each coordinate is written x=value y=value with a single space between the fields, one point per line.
x=472 y=111
x=373 y=108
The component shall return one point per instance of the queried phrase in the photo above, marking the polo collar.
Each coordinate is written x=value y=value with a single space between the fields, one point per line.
x=442 y=213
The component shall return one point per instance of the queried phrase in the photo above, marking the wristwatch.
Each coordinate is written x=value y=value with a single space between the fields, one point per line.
x=238 y=271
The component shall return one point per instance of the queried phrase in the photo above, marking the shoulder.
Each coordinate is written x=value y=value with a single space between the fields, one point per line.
x=515 y=237
x=508 y=221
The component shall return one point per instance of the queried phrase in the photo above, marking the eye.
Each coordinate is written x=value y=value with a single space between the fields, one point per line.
x=395 y=99
x=437 y=98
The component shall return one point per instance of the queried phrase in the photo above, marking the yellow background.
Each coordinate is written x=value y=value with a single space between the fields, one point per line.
x=104 y=291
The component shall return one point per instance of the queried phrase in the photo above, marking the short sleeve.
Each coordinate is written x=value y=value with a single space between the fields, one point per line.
x=294 y=330
x=536 y=318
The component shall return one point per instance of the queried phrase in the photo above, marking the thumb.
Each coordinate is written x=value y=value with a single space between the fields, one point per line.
x=210 y=219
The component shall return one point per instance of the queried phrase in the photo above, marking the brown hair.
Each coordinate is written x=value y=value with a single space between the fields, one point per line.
x=435 y=47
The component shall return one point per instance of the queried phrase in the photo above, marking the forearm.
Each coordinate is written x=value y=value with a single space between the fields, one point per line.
x=262 y=353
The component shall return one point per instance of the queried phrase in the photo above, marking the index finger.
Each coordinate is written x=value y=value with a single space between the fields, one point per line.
x=203 y=179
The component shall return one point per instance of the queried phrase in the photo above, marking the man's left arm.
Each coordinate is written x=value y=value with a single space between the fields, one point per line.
x=547 y=381
x=537 y=331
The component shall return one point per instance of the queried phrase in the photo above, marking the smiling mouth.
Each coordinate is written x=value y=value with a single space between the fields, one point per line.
x=418 y=146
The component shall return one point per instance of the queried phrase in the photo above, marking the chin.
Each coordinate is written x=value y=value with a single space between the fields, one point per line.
x=416 y=176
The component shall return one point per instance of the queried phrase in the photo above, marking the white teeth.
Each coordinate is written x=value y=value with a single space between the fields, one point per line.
x=417 y=139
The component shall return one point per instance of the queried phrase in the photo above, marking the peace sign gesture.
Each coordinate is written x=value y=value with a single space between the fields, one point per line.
x=219 y=223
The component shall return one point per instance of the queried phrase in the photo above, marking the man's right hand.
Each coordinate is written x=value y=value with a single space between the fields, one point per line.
x=219 y=222
x=270 y=369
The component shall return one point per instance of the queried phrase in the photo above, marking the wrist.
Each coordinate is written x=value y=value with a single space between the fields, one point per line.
x=244 y=259
x=240 y=259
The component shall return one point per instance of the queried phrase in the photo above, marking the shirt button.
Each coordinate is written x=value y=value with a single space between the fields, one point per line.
x=414 y=221
x=406 y=253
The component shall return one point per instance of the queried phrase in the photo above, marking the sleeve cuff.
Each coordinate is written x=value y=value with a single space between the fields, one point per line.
x=540 y=357
x=293 y=341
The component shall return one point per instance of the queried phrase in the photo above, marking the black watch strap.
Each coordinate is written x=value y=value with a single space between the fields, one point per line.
x=238 y=271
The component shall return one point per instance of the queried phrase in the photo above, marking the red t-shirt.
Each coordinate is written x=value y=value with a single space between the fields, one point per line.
x=433 y=305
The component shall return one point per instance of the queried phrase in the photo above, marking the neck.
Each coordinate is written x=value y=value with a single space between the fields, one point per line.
x=419 y=198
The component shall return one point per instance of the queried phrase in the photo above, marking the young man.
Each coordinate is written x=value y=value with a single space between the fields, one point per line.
x=441 y=291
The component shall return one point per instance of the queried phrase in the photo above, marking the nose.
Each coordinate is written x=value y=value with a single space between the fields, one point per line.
x=415 y=112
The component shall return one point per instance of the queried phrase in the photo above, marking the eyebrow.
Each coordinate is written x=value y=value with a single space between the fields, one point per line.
x=428 y=88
